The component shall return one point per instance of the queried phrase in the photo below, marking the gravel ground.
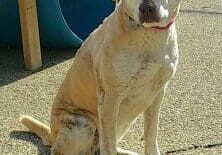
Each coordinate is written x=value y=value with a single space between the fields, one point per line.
x=191 y=114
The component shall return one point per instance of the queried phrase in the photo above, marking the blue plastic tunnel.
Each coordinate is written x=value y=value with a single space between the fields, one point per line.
x=62 y=23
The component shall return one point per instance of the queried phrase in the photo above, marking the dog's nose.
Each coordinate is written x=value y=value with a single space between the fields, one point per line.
x=148 y=12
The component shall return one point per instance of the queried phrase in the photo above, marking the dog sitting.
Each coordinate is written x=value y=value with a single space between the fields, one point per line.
x=120 y=71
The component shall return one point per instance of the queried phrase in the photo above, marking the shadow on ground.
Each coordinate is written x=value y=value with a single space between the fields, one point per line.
x=201 y=12
x=31 y=138
x=194 y=147
x=12 y=64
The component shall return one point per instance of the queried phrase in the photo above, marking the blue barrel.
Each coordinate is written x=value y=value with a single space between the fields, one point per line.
x=62 y=24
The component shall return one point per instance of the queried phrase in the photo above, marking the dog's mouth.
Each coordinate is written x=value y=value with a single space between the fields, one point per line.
x=157 y=26
x=153 y=26
x=164 y=27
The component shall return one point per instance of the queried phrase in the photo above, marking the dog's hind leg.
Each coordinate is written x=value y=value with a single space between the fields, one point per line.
x=76 y=136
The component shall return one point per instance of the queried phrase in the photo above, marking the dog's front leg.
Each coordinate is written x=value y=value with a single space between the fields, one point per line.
x=151 y=126
x=108 y=93
x=107 y=110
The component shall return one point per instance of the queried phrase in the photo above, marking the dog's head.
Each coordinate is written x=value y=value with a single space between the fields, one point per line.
x=158 y=14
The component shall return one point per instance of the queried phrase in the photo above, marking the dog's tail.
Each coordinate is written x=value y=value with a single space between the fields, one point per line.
x=40 y=129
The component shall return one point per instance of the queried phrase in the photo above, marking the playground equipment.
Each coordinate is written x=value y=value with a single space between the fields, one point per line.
x=60 y=23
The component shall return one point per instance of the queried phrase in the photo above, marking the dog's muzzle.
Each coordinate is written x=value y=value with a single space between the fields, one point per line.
x=149 y=12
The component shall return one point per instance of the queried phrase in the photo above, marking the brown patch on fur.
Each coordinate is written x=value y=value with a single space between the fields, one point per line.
x=71 y=123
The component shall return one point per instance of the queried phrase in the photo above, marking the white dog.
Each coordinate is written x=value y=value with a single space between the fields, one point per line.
x=120 y=71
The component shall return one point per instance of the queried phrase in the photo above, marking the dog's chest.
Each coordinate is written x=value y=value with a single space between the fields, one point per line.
x=141 y=76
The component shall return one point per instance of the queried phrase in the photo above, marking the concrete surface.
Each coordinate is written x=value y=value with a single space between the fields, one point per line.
x=191 y=114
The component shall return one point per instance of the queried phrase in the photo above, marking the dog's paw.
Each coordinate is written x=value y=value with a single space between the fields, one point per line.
x=125 y=152
x=156 y=152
